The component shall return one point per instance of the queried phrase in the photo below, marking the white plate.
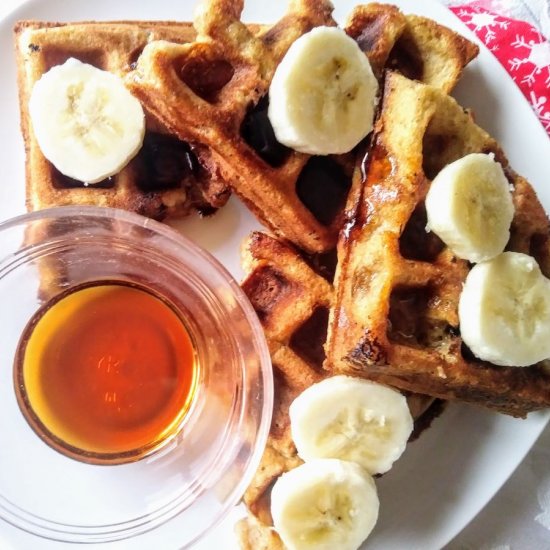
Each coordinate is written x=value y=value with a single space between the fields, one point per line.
x=446 y=477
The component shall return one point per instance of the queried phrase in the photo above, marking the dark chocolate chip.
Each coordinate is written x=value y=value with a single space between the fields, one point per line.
x=258 y=132
x=164 y=162
x=323 y=187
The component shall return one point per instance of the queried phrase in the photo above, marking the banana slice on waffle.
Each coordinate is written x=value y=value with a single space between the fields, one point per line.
x=323 y=94
x=504 y=311
x=86 y=122
x=324 y=504
x=469 y=206
x=353 y=420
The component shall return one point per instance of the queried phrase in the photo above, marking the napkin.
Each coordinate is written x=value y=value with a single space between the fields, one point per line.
x=516 y=32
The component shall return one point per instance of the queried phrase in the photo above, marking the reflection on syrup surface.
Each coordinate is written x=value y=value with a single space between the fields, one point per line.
x=105 y=369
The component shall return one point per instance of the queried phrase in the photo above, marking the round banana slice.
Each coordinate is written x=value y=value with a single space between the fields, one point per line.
x=323 y=94
x=469 y=207
x=325 y=504
x=504 y=311
x=351 y=419
x=88 y=125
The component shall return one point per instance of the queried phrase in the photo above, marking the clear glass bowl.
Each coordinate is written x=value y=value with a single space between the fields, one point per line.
x=184 y=486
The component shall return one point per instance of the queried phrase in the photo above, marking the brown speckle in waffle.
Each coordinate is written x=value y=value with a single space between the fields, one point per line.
x=369 y=347
x=416 y=243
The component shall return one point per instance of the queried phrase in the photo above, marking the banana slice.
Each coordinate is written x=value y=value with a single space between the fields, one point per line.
x=504 y=311
x=351 y=419
x=325 y=504
x=86 y=122
x=323 y=94
x=469 y=207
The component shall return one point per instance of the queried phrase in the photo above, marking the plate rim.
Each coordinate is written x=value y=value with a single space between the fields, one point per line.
x=408 y=6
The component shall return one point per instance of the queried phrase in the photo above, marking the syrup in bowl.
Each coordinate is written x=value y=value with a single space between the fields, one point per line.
x=135 y=381
x=106 y=372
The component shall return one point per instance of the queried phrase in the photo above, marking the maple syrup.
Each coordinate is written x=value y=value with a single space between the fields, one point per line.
x=106 y=372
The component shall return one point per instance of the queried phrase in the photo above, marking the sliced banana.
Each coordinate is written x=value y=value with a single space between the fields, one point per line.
x=323 y=94
x=469 y=207
x=325 y=504
x=88 y=125
x=504 y=311
x=351 y=419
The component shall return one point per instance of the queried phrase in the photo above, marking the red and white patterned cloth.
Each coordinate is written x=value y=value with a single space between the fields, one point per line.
x=519 y=46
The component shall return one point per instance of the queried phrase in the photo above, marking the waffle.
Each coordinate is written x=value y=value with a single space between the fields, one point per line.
x=417 y=47
x=167 y=178
x=292 y=300
x=395 y=318
x=299 y=197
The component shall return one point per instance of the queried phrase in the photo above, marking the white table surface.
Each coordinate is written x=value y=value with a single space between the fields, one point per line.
x=518 y=517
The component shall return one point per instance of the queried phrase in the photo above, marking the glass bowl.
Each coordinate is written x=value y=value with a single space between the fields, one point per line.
x=188 y=482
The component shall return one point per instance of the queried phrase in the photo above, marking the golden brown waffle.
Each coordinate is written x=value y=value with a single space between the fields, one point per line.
x=298 y=196
x=292 y=301
x=166 y=178
x=417 y=47
x=395 y=319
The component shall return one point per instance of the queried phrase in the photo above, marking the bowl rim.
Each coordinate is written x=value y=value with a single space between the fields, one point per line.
x=178 y=240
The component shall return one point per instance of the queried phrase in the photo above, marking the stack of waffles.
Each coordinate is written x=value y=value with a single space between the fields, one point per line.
x=292 y=295
x=279 y=185
x=204 y=88
x=387 y=309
